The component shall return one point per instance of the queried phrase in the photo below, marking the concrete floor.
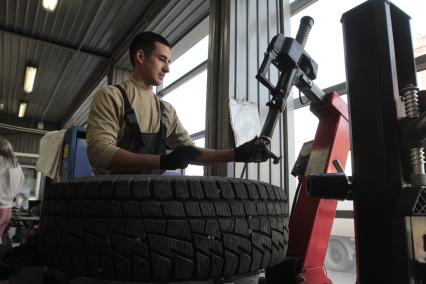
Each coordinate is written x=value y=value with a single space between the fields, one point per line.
x=342 y=277
x=34 y=275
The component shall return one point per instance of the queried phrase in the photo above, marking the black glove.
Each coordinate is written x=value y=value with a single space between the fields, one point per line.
x=254 y=151
x=179 y=158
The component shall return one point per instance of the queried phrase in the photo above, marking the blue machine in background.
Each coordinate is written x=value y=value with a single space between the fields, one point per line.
x=74 y=162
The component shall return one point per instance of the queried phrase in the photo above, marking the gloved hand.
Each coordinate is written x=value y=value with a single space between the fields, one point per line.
x=179 y=158
x=254 y=151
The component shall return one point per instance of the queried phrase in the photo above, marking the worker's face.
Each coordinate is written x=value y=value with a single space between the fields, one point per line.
x=154 y=67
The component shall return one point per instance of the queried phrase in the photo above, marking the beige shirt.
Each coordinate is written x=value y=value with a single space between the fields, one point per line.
x=106 y=124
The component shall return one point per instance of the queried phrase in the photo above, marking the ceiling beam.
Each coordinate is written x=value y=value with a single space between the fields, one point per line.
x=22 y=129
x=298 y=5
x=58 y=45
x=421 y=63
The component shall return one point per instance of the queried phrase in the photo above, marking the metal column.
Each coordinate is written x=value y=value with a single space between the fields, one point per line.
x=379 y=63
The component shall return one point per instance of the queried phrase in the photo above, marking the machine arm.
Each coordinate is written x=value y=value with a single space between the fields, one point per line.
x=296 y=68
x=311 y=219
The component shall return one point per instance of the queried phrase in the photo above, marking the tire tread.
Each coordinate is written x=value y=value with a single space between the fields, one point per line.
x=156 y=228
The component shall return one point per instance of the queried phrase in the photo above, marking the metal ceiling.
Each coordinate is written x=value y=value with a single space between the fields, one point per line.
x=75 y=46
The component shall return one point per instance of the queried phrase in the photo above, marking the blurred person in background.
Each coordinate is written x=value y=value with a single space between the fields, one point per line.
x=11 y=179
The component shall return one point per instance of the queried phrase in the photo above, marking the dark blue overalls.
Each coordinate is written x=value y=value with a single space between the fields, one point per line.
x=144 y=143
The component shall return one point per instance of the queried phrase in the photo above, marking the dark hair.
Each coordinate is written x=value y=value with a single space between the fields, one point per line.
x=6 y=151
x=146 y=42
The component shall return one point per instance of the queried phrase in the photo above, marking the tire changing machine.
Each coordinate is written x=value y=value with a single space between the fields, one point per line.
x=388 y=132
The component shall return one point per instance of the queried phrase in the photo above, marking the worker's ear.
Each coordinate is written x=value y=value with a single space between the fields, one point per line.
x=140 y=57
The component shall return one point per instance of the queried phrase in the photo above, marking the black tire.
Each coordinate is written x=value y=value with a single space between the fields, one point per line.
x=338 y=258
x=163 y=228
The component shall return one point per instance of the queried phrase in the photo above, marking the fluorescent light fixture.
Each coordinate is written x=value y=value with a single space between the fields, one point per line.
x=30 y=73
x=49 y=5
x=22 y=109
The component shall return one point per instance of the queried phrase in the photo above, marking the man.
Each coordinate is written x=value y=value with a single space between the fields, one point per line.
x=129 y=127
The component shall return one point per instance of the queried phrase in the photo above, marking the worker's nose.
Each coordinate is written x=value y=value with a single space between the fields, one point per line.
x=166 y=68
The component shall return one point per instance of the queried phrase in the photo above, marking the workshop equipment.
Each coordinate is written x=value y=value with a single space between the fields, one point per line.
x=388 y=130
x=311 y=218
x=387 y=151
x=74 y=161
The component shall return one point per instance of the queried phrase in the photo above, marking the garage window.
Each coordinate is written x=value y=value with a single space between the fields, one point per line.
x=185 y=87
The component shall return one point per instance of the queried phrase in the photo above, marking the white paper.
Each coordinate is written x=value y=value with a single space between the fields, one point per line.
x=245 y=120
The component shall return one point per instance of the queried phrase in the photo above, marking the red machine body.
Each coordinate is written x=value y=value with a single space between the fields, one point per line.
x=312 y=218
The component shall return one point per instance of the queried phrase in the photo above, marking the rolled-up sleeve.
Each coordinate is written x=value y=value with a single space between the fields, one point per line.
x=103 y=127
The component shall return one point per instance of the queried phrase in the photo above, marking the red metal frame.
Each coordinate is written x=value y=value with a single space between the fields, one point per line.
x=312 y=218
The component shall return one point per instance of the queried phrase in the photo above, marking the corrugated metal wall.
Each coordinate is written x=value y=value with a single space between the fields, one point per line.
x=82 y=113
x=240 y=31
x=116 y=76
x=80 y=116
x=22 y=142
x=70 y=47
x=119 y=75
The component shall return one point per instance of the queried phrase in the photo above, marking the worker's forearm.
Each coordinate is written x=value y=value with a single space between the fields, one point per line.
x=126 y=160
x=210 y=156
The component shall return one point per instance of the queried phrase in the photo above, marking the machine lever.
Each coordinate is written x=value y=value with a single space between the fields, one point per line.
x=338 y=167
x=291 y=60
x=306 y=24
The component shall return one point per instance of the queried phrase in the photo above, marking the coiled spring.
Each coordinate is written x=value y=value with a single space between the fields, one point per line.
x=411 y=102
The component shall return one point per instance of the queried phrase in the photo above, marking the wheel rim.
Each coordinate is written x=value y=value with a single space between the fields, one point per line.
x=335 y=255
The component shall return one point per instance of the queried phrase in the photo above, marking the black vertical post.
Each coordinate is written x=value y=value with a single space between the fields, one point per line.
x=379 y=62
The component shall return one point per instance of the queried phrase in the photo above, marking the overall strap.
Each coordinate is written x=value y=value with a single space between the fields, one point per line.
x=130 y=117
x=163 y=126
